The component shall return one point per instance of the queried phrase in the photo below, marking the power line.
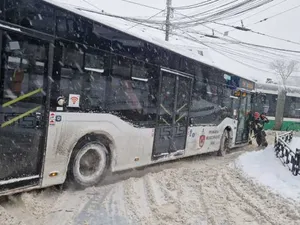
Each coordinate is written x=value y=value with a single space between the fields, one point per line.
x=260 y=46
x=194 y=39
x=116 y=16
x=232 y=10
x=259 y=12
x=234 y=53
x=140 y=23
x=246 y=53
x=256 y=32
x=193 y=6
x=263 y=20
x=273 y=55
x=237 y=41
x=246 y=43
x=136 y=3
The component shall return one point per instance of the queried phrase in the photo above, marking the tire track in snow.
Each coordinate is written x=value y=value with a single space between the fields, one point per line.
x=223 y=198
x=265 y=193
x=109 y=205
x=135 y=201
x=200 y=191
x=31 y=207
x=262 y=203
x=92 y=211
x=8 y=218
x=240 y=209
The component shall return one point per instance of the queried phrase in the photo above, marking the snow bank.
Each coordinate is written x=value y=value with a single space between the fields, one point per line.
x=263 y=167
x=295 y=143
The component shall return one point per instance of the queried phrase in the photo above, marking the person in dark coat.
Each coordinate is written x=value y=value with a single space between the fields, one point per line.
x=258 y=126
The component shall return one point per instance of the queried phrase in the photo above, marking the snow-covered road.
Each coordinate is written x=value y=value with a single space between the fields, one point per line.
x=201 y=190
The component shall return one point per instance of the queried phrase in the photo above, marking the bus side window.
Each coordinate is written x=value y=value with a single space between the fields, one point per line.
x=208 y=100
x=31 y=14
x=84 y=72
x=134 y=87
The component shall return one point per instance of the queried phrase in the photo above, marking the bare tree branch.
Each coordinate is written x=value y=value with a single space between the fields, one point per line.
x=284 y=69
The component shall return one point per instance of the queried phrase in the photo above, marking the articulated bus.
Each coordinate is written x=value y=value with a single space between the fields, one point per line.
x=266 y=101
x=79 y=98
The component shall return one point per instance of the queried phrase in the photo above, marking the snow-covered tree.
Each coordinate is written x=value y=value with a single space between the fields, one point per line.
x=283 y=69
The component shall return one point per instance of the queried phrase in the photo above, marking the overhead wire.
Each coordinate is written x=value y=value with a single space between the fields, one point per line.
x=256 y=32
x=251 y=44
x=247 y=52
x=246 y=43
x=195 y=39
x=278 y=14
x=225 y=12
x=237 y=11
x=143 y=5
x=262 y=52
x=156 y=14
x=247 y=17
x=197 y=5
x=236 y=41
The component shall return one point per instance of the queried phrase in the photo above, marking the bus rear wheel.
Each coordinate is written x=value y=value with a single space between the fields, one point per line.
x=88 y=164
x=224 y=146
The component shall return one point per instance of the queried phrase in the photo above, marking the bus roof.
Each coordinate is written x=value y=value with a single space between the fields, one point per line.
x=274 y=88
x=121 y=26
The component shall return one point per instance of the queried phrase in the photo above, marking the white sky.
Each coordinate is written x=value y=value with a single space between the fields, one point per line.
x=283 y=26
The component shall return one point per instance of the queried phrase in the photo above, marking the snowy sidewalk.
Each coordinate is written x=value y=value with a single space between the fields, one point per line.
x=263 y=167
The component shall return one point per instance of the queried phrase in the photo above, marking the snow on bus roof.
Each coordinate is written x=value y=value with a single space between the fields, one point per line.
x=150 y=35
x=274 y=88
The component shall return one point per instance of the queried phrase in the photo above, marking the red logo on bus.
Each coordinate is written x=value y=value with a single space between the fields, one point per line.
x=201 y=141
x=74 y=99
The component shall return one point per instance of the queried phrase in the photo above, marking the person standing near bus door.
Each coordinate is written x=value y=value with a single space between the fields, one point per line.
x=264 y=118
x=258 y=127
x=249 y=123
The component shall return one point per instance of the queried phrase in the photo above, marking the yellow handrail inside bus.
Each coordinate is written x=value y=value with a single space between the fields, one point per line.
x=22 y=97
x=20 y=116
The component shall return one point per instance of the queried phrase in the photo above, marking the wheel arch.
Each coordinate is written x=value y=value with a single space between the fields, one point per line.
x=102 y=137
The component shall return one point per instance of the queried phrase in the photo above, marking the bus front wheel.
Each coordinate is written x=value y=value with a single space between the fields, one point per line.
x=224 y=146
x=88 y=164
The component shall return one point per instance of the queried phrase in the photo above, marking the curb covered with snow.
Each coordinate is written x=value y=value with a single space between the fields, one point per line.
x=263 y=167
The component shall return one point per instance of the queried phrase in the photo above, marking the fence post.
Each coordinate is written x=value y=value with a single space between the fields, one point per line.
x=295 y=167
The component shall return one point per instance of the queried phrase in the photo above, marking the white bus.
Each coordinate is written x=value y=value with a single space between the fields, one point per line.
x=79 y=98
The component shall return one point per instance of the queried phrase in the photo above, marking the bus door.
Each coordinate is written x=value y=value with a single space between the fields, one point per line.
x=23 y=88
x=173 y=114
x=243 y=106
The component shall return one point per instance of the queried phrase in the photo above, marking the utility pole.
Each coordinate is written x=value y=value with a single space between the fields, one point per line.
x=168 y=24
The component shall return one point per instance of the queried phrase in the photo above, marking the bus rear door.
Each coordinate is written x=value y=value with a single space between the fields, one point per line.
x=173 y=115
x=23 y=88
x=242 y=106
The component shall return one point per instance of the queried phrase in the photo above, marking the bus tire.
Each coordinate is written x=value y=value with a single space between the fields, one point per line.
x=224 y=146
x=88 y=164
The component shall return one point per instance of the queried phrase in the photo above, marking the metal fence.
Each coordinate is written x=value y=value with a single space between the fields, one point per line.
x=289 y=157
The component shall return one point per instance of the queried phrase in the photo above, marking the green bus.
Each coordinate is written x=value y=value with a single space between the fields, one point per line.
x=266 y=100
